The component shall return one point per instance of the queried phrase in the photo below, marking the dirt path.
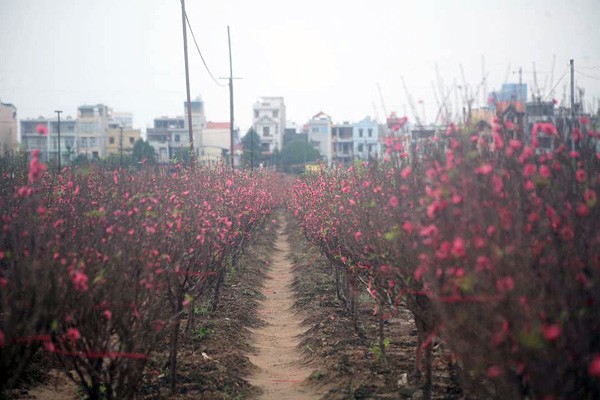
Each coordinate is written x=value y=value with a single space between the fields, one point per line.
x=281 y=370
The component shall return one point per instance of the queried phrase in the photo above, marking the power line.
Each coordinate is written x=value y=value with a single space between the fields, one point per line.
x=200 y=53
x=588 y=76
x=561 y=78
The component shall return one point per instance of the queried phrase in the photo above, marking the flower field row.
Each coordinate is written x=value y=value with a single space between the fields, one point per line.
x=494 y=249
x=96 y=267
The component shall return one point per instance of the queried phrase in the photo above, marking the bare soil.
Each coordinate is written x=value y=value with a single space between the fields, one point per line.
x=281 y=372
x=347 y=365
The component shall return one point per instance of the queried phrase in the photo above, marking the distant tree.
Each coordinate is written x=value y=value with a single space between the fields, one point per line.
x=252 y=149
x=297 y=152
x=142 y=150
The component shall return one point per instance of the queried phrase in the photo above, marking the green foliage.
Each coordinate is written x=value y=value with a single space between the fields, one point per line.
x=297 y=152
x=143 y=151
x=252 y=155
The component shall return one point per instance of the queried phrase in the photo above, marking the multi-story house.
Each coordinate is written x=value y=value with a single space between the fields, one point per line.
x=31 y=139
x=92 y=129
x=8 y=128
x=121 y=139
x=198 y=122
x=269 y=122
x=342 y=140
x=168 y=136
x=318 y=130
x=216 y=143
x=367 y=139
x=541 y=113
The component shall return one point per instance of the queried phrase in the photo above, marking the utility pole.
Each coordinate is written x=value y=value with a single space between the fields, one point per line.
x=572 y=65
x=58 y=113
x=230 y=100
x=251 y=149
x=121 y=144
x=230 y=78
x=520 y=84
x=187 y=82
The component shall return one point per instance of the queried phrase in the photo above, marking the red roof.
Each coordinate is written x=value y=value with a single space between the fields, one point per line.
x=217 y=125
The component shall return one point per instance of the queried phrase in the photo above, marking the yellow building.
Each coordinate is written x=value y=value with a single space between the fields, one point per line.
x=8 y=128
x=125 y=137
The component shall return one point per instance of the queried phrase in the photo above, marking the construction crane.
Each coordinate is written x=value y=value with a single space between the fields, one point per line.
x=382 y=102
x=411 y=103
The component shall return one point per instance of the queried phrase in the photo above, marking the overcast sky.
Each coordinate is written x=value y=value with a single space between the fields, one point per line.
x=324 y=55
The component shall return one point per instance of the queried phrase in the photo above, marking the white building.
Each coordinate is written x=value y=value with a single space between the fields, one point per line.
x=8 y=128
x=367 y=140
x=319 y=135
x=48 y=144
x=92 y=129
x=269 y=122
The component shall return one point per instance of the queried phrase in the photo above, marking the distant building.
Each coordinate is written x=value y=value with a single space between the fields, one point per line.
x=8 y=128
x=367 y=138
x=48 y=144
x=269 y=123
x=540 y=112
x=292 y=135
x=318 y=130
x=198 y=121
x=168 y=135
x=342 y=141
x=121 y=138
x=216 y=143
x=509 y=92
x=92 y=129
x=124 y=119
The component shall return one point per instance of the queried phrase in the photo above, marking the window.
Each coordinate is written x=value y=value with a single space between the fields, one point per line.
x=177 y=138
x=315 y=130
x=111 y=140
x=370 y=147
x=255 y=113
x=275 y=113
x=360 y=148
x=370 y=132
x=131 y=140
x=360 y=132
x=266 y=131
x=265 y=147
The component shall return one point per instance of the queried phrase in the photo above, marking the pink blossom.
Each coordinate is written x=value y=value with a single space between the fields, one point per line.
x=458 y=247
x=494 y=371
x=357 y=235
x=2 y=339
x=580 y=175
x=41 y=129
x=36 y=167
x=407 y=227
x=73 y=334
x=551 y=332
x=484 y=169
x=509 y=125
x=594 y=366
x=394 y=201
x=514 y=143
x=582 y=210
x=584 y=120
x=545 y=171
x=406 y=171
x=529 y=169
x=589 y=196
x=80 y=280
x=107 y=314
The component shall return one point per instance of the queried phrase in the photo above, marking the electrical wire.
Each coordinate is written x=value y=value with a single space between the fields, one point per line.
x=200 y=53
x=561 y=78
x=588 y=76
